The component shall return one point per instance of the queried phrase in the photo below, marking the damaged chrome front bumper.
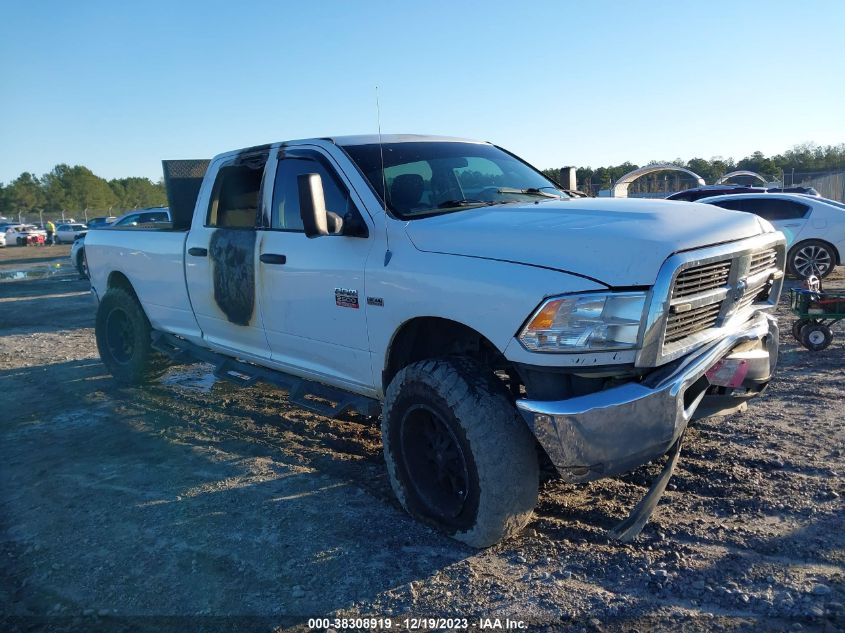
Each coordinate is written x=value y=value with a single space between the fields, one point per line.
x=621 y=428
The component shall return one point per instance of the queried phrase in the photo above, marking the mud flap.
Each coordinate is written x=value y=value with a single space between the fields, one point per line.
x=630 y=528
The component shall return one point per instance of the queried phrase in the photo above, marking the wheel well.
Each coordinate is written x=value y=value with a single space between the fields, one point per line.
x=432 y=337
x=118 y=280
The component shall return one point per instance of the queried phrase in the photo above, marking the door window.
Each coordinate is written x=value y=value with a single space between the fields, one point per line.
x=234 y=199
x=129 y=220
x=777 y=209
x=154 y=216
x=771 y=209
x=285 y=214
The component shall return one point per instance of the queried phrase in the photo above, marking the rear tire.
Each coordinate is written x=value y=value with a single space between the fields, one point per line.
x=123 y=339
x=811 y=257
x=459 y=457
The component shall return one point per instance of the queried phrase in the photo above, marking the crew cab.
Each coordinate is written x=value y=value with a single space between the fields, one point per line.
x=489 y=319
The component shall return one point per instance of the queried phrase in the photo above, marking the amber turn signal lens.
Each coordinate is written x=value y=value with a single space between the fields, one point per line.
x=545 y=318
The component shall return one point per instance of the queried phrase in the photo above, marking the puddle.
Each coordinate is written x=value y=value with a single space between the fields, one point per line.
x=199 y=378
x=42 y=271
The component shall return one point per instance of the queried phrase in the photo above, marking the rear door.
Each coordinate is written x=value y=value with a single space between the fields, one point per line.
x=312 y=291
x=221 y=257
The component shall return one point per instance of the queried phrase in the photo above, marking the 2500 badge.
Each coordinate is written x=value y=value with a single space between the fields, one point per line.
x=345 y=298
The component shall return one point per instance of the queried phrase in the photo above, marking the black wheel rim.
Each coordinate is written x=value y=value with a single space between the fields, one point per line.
x=120 y=336
x=436 y=465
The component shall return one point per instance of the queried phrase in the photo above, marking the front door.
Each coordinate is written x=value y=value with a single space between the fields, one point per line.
x=312 y=291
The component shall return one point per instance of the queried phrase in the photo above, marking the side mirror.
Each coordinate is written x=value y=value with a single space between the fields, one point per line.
x=316 y=220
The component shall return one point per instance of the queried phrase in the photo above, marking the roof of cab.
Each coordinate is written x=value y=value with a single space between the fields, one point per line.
x=374 y=139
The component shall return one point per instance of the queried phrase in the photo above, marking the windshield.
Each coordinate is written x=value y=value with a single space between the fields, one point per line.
x=429 y=178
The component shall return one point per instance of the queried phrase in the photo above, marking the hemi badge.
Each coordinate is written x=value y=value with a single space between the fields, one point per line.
x=681 y=308
x=375 y=301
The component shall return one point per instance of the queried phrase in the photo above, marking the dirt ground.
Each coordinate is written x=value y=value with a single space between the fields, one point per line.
x=130 y=509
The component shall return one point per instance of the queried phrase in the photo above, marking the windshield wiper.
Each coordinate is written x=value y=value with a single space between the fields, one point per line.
x=531 y=191
x=463 y=202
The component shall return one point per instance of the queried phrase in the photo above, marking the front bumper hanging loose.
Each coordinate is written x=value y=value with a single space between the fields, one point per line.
x=618 y=429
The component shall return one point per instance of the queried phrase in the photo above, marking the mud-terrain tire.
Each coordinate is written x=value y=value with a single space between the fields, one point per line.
x=811 y=257
x=458 y=455
x=123 y=339
x=816 y=336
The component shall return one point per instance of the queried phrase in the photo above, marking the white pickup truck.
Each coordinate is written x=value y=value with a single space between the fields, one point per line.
x=491 y=320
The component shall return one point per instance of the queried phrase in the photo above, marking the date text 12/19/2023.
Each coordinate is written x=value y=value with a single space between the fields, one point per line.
x=412 y=624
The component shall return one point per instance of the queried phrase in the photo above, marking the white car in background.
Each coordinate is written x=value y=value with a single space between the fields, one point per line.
x=15 y=231
x=814 y=227
x=2 y=239
x=66 y=233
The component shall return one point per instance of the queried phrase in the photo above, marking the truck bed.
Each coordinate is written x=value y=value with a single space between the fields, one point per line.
x=153 y=261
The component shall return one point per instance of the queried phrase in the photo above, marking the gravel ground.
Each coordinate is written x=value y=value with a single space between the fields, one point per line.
x=130 y=509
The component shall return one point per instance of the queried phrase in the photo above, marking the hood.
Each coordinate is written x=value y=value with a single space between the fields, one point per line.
x=617 y=241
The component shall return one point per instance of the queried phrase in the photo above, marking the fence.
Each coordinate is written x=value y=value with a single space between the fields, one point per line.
x=828 y=185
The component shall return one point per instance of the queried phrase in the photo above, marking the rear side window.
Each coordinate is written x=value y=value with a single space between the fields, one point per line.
x=285 y=214
x=234 y=199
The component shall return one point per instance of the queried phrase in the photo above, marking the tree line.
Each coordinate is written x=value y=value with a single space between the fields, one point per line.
x=800 y=160
x=75 y=191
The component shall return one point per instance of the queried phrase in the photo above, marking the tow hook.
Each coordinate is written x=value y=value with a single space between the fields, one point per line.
x=630 y=528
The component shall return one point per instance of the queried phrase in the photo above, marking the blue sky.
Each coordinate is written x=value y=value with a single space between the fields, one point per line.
x=117 y=86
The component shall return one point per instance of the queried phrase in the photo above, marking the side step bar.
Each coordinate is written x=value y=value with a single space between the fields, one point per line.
x=330 y=401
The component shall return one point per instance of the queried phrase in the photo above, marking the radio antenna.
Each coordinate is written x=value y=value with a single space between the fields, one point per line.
x=387 y=253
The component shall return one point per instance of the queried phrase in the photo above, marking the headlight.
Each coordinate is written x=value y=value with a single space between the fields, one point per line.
x=586 y=322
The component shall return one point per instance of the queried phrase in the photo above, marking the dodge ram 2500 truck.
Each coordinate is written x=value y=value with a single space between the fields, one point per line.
x=491 y=320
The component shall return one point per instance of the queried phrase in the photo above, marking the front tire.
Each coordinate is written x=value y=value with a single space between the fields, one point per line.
x=811 y=257
x=123 y=339
x=458 y=455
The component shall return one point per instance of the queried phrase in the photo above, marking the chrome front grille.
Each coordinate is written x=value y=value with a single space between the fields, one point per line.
x=709 y=289
x=693 y=281
x=680 y=326
x=762 y=261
